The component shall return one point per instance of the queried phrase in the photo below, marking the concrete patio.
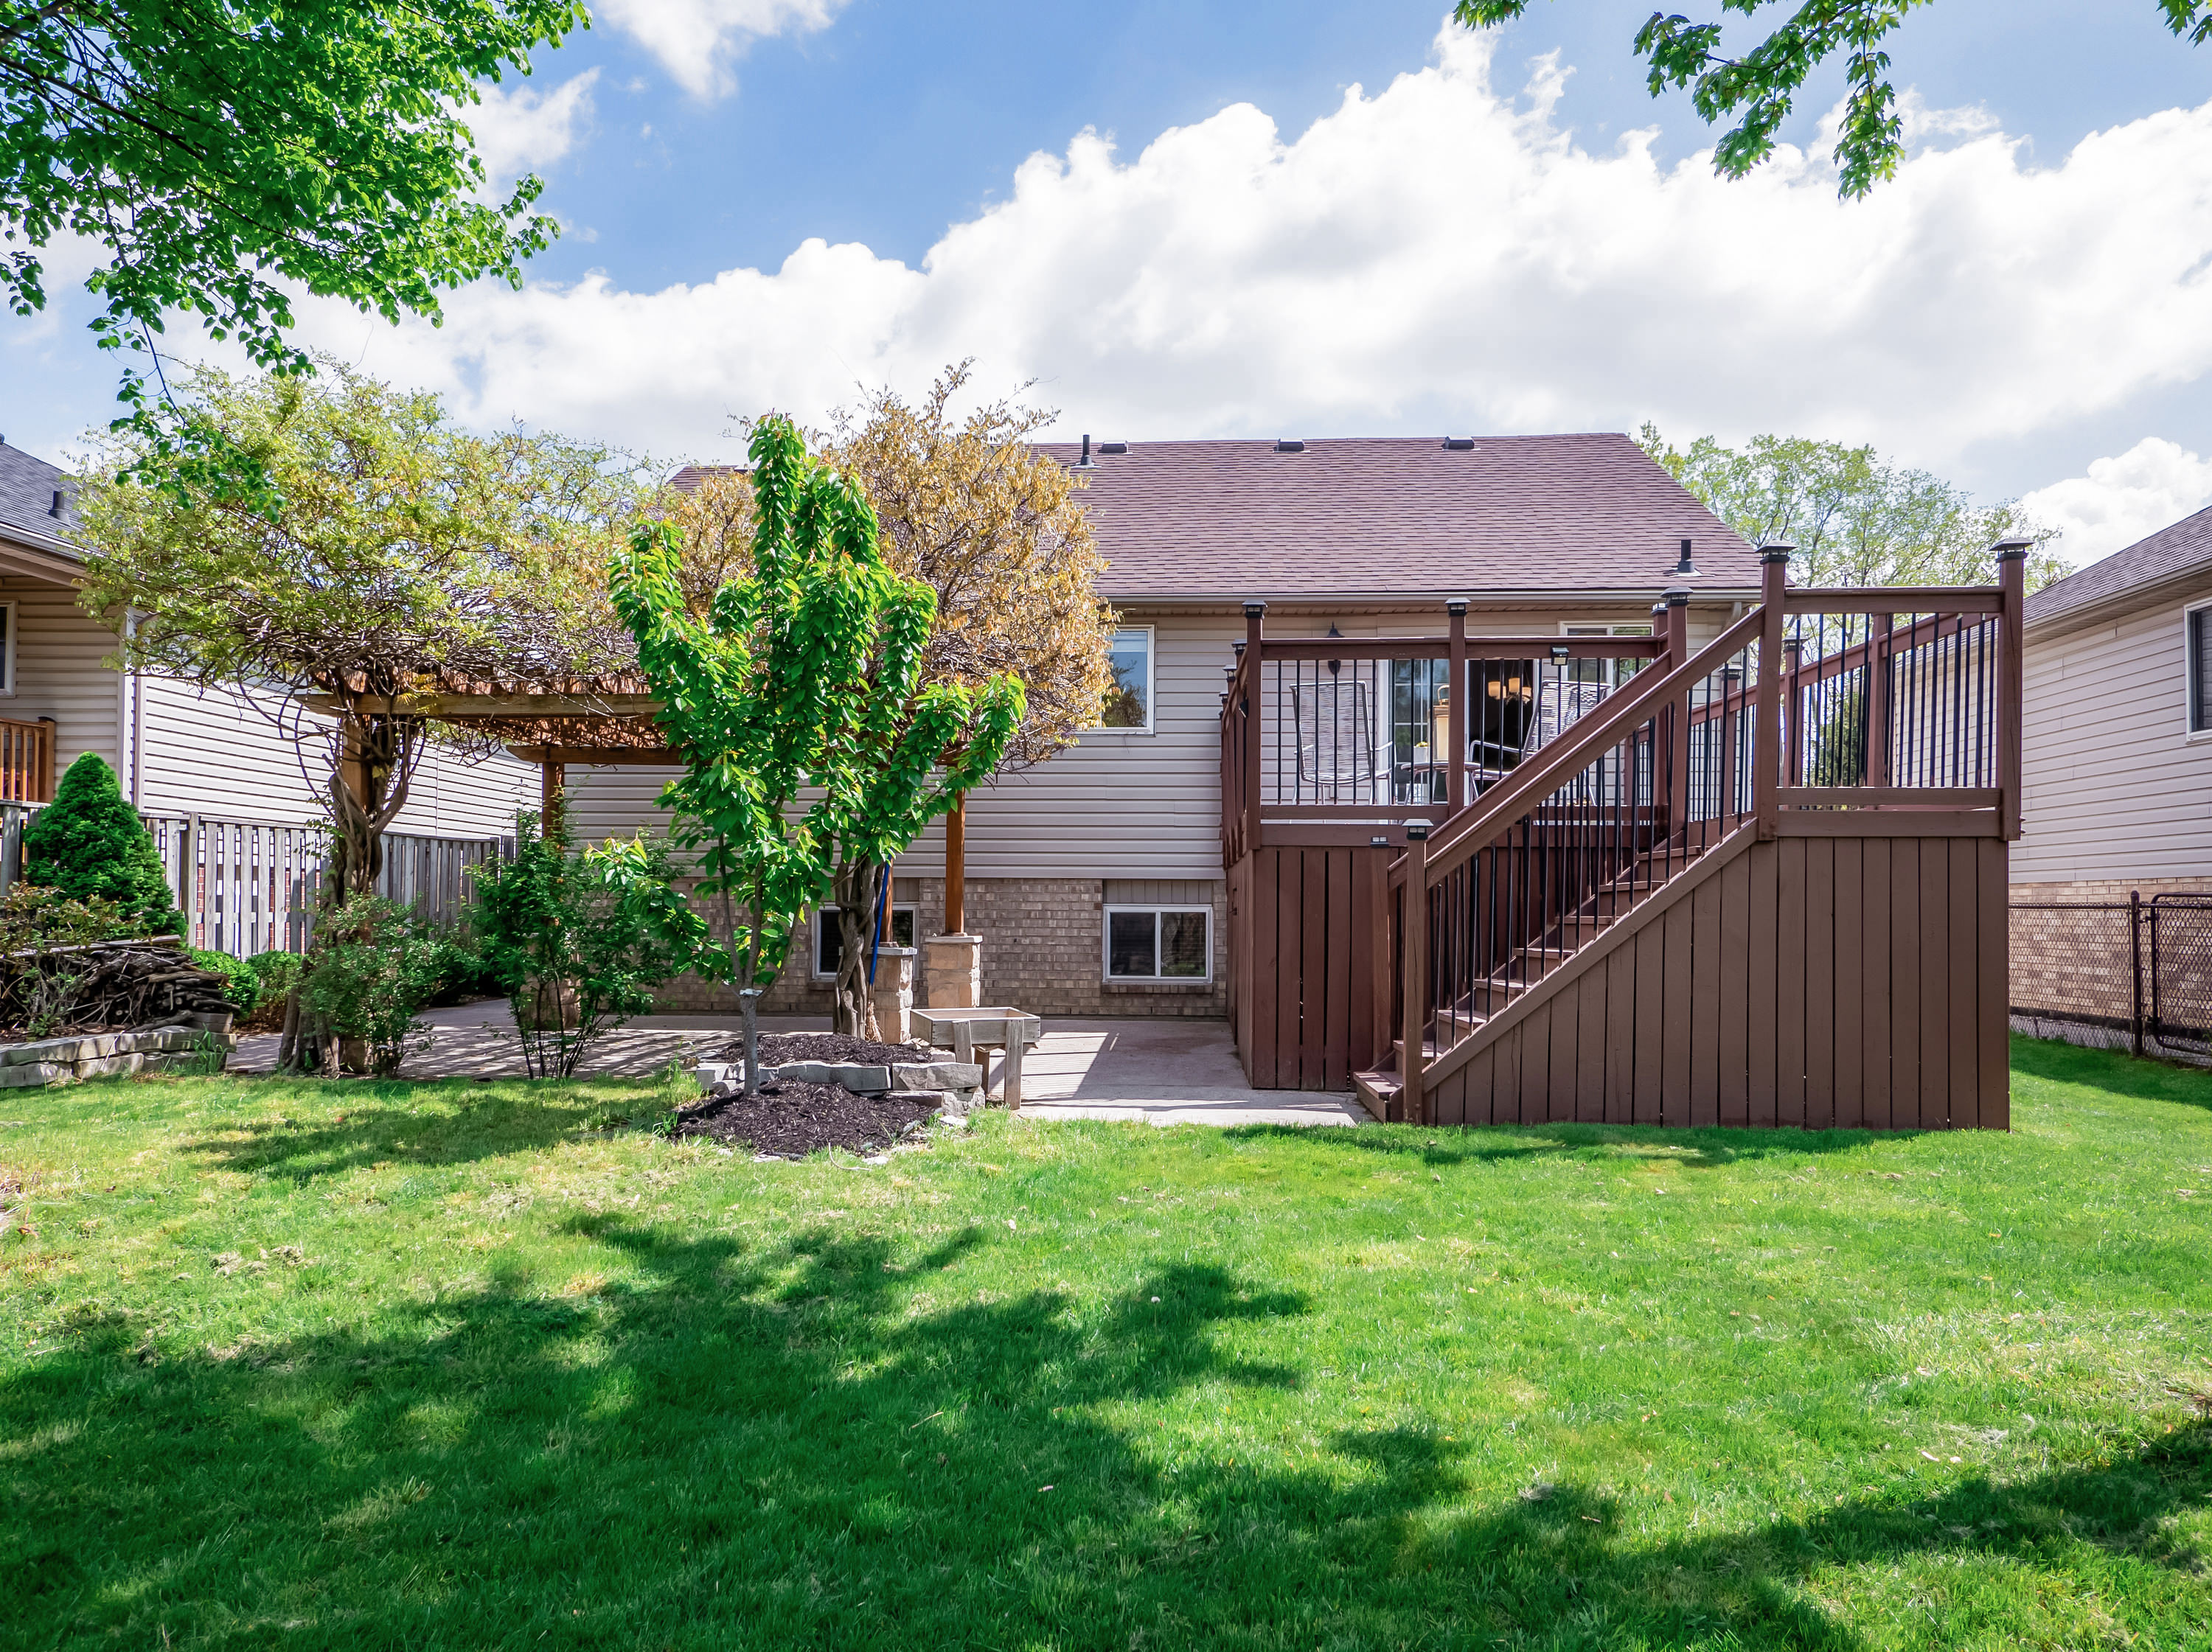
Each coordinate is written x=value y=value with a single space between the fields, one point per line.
x=1151 y=1072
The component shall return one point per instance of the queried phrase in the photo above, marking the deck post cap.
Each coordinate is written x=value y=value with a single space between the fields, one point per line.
x=1416 y=830
x=1455 y=605
x=1254 y=608
x=2007 y=550
x=1677 y=596
x=1777 y=552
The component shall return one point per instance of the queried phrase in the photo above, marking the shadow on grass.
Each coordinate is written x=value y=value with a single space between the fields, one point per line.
x=2117 y=1071
x=831 y=1441
x=405 y=1121
x=1698 y=1148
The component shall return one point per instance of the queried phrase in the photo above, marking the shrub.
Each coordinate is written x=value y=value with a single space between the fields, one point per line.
x=372 y=971
x=242 y=989
x=90 y=844
x=576 y=953
x=278 y=973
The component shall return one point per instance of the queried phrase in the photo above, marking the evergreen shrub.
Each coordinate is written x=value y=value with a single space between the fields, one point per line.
x=90 y=844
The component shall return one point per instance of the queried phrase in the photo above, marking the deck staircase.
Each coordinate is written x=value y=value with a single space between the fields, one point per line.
x=1546 y=960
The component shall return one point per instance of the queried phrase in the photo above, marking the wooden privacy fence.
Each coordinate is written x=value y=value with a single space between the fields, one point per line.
x=250 y=886
x=247 y=887
x=1762 y=883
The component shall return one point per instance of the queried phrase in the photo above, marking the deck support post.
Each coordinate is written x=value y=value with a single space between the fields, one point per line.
x=1414 y=997
x=1678 y=734
x=1766 y=737
x=2012 y=578
x=1255 y=614
x=552 y=782
x=1459 y=726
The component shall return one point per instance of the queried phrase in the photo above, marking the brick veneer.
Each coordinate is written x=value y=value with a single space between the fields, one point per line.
x=2077 y=962
x=1041 y=952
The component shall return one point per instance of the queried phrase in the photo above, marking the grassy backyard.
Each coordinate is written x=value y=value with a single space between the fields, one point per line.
x=379 y=1364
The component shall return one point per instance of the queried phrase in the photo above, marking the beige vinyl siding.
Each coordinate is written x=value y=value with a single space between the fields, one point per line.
x=1118 y=804
x=213 y=751
x=59 y=674
x=2113 y=786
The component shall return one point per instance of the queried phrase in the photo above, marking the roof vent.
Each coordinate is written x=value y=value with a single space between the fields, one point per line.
x=1288 y=446
x=55 y=509
x=1112 y=446
x=1459 y=444
x=1686 y=568
x=1083 y=464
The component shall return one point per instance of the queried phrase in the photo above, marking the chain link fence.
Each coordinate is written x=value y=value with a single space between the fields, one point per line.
x=2131 y=975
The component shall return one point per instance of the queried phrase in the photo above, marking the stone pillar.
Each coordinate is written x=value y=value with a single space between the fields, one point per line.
x=891 y=993
x=956 y=971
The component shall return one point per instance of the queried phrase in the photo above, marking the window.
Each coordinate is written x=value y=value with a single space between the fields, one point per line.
x=7 y=647
x=1159 y=943
x=1611 y=672
x=829 y=938
x=2199 y=624
x=1129 y=701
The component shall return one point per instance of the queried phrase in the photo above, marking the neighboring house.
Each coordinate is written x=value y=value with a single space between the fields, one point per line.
x=2118 y=795
x=2118 y=711
x=1096 y=879
x=178 y=750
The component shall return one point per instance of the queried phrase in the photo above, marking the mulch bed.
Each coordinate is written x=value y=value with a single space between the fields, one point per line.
x=777 y=1048
x=791 y=1119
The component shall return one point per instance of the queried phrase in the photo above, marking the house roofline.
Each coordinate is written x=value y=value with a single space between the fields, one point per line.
x=2148 y=595
x=33 y=555
x=1528 y=597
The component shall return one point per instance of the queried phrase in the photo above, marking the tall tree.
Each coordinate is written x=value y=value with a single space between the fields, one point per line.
x=969 y=506
x=1758 y=87
x=809 y=737
x=221 y=150
x=1855 y=517
x=382 y=550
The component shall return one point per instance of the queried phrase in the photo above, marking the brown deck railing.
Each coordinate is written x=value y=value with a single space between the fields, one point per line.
x=27 y=760
x=1885 y=711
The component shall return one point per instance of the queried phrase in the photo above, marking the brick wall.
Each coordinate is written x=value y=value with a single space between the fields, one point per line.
x=1042 y=952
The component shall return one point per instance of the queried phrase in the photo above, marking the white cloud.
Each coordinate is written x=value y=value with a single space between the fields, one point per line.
x=697 y=41
x=1435 y=255
x=519 y=129
x=2123 y=498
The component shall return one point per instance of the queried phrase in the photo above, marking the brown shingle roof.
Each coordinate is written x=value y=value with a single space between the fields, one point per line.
x=1392 y=516
x=2181 y=549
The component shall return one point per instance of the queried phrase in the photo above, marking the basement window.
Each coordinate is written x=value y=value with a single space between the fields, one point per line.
x=829 y=938
x=1159 y=943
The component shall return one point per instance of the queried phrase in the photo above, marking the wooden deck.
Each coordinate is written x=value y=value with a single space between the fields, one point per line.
x=1691 y=890
x=27 y=760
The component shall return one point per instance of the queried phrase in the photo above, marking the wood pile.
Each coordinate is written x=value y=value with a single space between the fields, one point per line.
x=139 y=982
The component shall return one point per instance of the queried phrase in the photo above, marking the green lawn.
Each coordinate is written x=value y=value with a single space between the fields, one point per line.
x=378 y=1364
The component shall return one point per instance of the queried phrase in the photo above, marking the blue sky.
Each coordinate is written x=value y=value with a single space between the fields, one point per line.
x=1449 y=251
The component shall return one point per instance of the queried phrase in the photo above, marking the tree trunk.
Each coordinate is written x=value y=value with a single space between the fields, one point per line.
x=856 y=888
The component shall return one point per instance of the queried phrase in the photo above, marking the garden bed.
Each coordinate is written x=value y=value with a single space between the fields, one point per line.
x=790 y=1119
x=777 y=1048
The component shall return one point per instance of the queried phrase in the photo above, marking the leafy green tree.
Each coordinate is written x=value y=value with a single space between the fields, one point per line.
x=1760 y=85
x=223 y=150
x=390 y=553
x=1855 y=517
x=373 y=967
x=811 y=744
x=90 y=844
x=575 y=952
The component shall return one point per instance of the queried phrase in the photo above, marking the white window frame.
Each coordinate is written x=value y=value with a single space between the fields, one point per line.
x=1151 y=681
x=814 y=933
x=7 y=654
x=2190 y=731
x=1155 y=907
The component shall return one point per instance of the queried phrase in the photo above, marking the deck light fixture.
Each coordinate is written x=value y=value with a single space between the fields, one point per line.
x=1686 y=568
x=1334 y=665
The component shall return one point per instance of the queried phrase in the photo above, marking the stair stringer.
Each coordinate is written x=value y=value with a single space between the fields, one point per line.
x=1448 y=1071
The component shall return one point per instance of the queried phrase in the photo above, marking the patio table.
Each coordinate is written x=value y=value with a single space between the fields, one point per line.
x=993 y=1027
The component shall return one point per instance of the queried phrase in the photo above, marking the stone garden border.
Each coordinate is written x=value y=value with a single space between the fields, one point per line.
x=50 y=1061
